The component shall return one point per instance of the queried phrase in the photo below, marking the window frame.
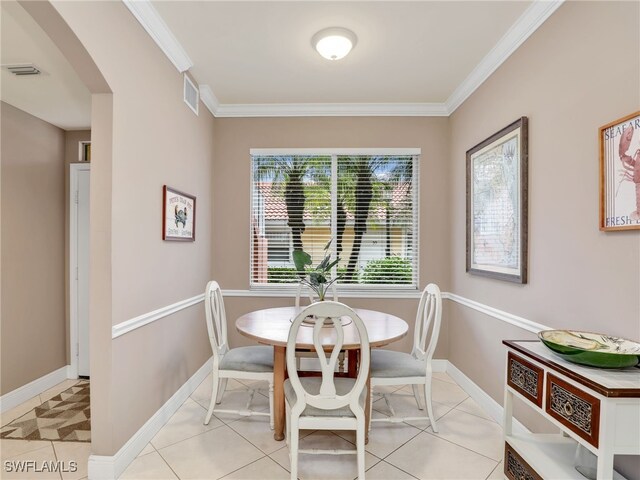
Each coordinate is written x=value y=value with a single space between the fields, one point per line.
x=347 y=290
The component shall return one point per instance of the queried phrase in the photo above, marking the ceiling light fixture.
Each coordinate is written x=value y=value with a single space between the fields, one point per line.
x=334 y=43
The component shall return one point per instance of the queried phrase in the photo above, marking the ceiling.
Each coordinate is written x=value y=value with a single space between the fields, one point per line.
x=407 y=52
x=57 y=95
x=254 y=58
x=412 y=58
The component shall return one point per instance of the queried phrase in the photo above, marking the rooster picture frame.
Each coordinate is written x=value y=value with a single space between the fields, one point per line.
x=178 y=215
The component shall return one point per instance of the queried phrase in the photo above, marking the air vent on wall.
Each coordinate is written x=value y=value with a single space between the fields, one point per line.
x=191 y=94
x=25 y=69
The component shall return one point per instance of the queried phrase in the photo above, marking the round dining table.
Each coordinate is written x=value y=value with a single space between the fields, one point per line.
x=271 y=327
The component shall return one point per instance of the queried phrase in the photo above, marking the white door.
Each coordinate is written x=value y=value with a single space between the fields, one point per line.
x=81 y=257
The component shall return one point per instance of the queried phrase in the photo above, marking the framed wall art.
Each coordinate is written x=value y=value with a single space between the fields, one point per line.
x=620 y=174
x=497 y=205
x=178 y=215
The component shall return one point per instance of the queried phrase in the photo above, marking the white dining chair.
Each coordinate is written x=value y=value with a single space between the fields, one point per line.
x=300 y=353
x=242 y=363
x=398 y=368
x=326 y=402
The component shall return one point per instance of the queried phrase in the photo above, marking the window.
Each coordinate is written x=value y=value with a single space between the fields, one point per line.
x=364 y=202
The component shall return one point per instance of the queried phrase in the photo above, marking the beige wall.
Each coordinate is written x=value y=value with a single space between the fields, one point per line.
x=33 y=235
x=579 y=71
x=143 y=136
x=231 y=188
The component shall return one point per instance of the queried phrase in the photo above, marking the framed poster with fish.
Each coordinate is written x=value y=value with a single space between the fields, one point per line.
x=178 y=215
x=620 y=174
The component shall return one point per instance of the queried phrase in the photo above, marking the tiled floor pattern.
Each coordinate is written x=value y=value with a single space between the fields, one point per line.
x=467 y=446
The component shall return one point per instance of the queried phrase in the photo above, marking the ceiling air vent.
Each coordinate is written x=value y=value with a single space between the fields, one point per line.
x=191 y=94
x=20 y=70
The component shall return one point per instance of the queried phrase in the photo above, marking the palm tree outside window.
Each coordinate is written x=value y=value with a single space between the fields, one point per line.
x=366 y=202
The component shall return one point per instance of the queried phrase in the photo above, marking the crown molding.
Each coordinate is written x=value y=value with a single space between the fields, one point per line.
x=209 y=99
x=529 y=21
x=332 y=110
x=152 y=22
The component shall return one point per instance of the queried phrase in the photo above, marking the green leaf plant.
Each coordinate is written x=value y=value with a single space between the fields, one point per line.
x=318 y=279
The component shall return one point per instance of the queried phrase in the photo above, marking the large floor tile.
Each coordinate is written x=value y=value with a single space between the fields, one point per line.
x=498 y=473
x=472 y=432
x=18 y=411
x=386 y=471
x=470 y=406
x=13 y=448
x=34 y=465
x=202 y=394
x=447 y=393
x=257 y=431
x=237 y=400
x=151 y=466
x=312 y=466
x=384 y=438
x=77 y=452
x=185 y=423
x=430 y=457
x=263 y=469
x=443 y=377
x=146 y=450
x=404 y=405
x=213 y=454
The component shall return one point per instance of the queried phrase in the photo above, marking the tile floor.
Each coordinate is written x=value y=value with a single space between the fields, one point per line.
x=467 y=446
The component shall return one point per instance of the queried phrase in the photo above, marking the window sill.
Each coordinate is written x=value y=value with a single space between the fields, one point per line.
x=290 y=292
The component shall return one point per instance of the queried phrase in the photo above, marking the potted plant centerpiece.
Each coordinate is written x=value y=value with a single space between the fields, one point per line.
x=319 y=279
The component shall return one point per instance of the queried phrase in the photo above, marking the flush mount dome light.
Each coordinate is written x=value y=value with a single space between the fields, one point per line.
x=334 y=43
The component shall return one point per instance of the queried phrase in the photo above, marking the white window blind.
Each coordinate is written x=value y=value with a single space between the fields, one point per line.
x=364 y=204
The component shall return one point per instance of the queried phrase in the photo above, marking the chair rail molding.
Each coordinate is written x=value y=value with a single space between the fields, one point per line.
x=149 y=317
x=506 y=317
x=146 y=318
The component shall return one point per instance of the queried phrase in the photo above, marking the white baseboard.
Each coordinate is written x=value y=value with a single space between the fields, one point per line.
x=439 y=365
x=31 y=389
x=103 y=467
x=482 y=398
x=72 y=371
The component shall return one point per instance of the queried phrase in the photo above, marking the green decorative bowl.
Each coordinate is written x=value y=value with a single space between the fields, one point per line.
x=592 y=349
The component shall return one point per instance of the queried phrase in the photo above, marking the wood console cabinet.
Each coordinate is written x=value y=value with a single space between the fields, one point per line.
x=597 y=408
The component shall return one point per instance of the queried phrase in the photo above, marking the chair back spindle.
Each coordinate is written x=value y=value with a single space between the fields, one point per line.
x=216 y=321
x=428 y=318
